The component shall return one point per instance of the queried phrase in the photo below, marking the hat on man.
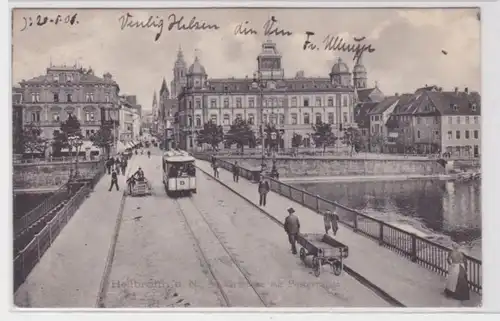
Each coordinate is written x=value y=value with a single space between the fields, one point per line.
x=290 y=209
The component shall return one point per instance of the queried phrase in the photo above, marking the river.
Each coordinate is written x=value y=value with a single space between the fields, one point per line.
x=444 y=211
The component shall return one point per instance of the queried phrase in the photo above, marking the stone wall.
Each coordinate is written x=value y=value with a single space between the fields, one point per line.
x=299 y=167
x=47 y=175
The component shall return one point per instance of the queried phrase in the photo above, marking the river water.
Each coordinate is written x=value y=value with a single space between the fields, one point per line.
x=444 y=211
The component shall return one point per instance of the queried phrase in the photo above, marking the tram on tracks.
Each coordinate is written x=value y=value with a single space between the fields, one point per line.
x=179 y=173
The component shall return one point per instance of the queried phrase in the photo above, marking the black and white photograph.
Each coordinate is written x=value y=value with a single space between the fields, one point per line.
x=246 y=158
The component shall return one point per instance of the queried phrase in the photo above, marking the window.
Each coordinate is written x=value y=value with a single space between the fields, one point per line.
x=35 y=116
x=476 y=134
x=197 y=104
x=306 y=118
x=35 y=97
x=418 y=133
x=89 y=116
x=106 y=97
x=198 y=121
x=213 y=103
x=56 y=117
x=345 y=101
x=345 y=117
x=238 y=102
x=264 y=118
x=69 y=77
x=226 y=102
x=251 y=119
x=251 y=103
x=306 y=102
x=455 y=107
x=318 y=118
x=330 y=118
x=89 y=97
x=318 y=101
x=474 y=107
x=466 y=134
x=436 y=133
x=418 y=120
x=213 y=119
x=294 y=119
x=190 y=120
x=450 y=120
x=56 y=97
x=457 y=134
x=330 y=101
x=272 y=118
x=226 y=119
x=239 y=117
x=476 y=120
x=190 y=104
x=282 y=119
x=467 y=121
x=294 y=101
x=458 y=120
x=69 y=98
x=56 y=77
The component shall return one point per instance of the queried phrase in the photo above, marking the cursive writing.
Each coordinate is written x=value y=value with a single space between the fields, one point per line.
x=192 y=25
x=127 y=22
x=336 y=43
x=240 y=29
x=269 y=30
x=40 y=20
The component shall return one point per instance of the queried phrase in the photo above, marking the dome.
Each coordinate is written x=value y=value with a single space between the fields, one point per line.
x=359 y=69
x=197 y=67
x=340 y=67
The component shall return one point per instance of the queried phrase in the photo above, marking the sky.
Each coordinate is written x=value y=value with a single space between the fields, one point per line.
x=408 y=43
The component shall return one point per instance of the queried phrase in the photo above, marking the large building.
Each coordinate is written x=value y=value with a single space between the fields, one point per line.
x=293 y=104
x=130 y=119
x=49 y=99
x=17 y=120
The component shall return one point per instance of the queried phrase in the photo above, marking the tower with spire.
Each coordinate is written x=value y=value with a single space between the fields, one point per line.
x=155 y=106
x=359 y=74
x=180 y=75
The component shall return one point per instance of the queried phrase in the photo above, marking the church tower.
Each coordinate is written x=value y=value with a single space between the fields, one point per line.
x=269 y=64
x=359 y=74
x=180 y=74
x=155 y=106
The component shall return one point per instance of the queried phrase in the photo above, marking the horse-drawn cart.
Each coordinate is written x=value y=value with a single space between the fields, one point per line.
x=324 y=249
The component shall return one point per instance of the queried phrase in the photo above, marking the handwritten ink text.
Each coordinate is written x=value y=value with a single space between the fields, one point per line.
x=242 y=30
x=40 y=20
x=192 y=25
x=269 y=31
x=336 y=43
x=127 y=22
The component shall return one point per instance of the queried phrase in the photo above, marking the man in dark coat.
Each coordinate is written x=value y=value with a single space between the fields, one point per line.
x=114 y=181
x=292 y=228
x=263 y=190
x=236 y=172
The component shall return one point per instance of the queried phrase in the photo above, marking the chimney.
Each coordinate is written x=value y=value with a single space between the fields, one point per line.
x=466 y=90
x=456 y=90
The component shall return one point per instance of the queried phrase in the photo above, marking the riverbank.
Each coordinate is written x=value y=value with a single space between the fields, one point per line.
x=359 y=178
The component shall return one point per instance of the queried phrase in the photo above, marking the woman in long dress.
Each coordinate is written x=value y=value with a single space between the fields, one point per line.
x=457 y=285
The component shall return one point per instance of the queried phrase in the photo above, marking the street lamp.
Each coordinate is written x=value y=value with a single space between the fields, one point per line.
x=75 y=142
x=259 y=83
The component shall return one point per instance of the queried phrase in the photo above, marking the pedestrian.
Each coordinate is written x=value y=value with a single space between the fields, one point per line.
x=149 y=154
x=263 y=190
x=118 y=165
x=216 y=169
x=236 y=172
x=331 y=222
x=292 y=228
x=124 y=165
x=114 y=181
x=457 y=286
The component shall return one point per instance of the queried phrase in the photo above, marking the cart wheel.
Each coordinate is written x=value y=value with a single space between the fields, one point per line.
x=316 y=267
x=337 y=268
x=302 y=254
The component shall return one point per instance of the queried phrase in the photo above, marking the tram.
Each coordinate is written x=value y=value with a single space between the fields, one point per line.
x=179 y=173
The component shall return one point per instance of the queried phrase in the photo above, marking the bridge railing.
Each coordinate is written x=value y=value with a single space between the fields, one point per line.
x=429 y=254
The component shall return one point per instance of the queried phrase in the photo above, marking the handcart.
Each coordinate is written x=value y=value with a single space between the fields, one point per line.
x=324 y=249
x=141 y=188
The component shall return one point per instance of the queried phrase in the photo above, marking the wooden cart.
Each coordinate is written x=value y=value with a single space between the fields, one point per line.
x=324 y=249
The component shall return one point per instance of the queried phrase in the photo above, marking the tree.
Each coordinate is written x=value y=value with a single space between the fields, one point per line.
x=379 y=140
x=323 y=135
x=211 y=134
x=241 y=134
x=352 y=138
x=32 y=141
x=103 y=139
x=69 y=128
x=272 y=136
x=296 y=140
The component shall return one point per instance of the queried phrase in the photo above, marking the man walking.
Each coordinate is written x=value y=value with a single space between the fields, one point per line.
x=124 y=164
x=236 y=172
x=114 y=181
x=331 y=221
x=263 y=190
x=216 y=169
x=292 y=228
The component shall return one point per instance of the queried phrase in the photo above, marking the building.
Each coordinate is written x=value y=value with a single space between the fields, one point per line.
x=17 y=120
x=292 y=104
x=130 y=119
x=378 y=116
x=435 y=121
x=49 y=99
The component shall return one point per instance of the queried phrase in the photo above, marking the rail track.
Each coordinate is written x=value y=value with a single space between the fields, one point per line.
x=187 y=205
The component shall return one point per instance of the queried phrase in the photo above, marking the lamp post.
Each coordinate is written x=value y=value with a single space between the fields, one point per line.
x=75 y=142
x=259 y=83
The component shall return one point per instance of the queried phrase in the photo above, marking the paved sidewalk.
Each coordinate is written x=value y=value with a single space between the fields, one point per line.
x=70 y=272
x=408 y=282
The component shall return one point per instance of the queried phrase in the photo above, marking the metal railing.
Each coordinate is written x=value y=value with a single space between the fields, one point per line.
x=62 y=159
x=429 y=254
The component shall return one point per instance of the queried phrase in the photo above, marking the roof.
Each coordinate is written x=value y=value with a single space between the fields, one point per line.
x=84 y=77
x=402 y=107
x=361 y=113
x=384 y=105
x=364 y=94
x=445 y=101
x=196 y=68
x=176 y=156
x=340 y=67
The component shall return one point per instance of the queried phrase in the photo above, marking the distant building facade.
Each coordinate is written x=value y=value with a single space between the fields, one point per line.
x=17 y=120
x=49 y=99
x=292 y=104
x=130 y=119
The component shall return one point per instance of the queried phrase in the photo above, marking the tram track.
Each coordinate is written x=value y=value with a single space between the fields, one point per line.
x=235 y=264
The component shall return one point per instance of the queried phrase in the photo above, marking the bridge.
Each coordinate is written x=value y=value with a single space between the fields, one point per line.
x=219 y=248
